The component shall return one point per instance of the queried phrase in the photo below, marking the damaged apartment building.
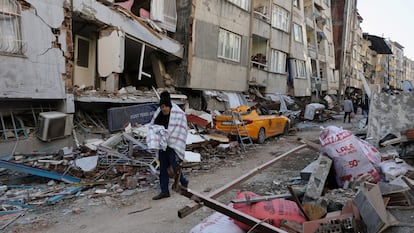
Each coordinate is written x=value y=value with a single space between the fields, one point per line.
x=67 y=62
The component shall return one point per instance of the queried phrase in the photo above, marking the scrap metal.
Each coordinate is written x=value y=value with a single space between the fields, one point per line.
x=38 y=172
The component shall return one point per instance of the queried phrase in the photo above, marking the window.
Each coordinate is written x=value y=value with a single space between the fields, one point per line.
x=280 y=18
x=229 y=45
x=330 y=49
x=10 y=36
x=278 y=61
x=296 y=3
x=244 y=4
x=83 y=53
x=328 y=24
x=300 y=68
x=297 y=32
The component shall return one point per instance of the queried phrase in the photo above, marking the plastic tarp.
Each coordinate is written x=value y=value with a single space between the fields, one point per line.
x=311 y=109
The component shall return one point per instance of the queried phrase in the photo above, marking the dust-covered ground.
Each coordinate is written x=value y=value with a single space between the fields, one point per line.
x=109 y=214
x=139 y=213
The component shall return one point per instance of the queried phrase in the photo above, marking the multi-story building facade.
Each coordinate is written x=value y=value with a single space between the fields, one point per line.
x=86 y=54
x=319 y=33
x=408 y=71
x=277 y=46
x=70 y=55
x=375 y=61
x=347 y=41
x=396 y=68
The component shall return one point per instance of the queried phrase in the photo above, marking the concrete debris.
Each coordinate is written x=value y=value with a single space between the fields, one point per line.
x=361 y=204
x=118 y=163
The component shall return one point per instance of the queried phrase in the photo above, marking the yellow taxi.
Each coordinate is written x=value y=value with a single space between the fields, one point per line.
x=258 y=126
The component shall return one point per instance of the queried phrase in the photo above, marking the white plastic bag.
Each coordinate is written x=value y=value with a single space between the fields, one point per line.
x=352 y=156
x=215 y=223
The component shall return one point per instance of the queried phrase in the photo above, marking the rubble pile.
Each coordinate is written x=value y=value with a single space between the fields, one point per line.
x=118 y=165
x=351 y=187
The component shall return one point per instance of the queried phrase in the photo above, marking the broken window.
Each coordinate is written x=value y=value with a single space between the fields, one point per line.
x=259 y=51
x=10 y=34
x=83 y=53
x=280 y=18
x=278 y=61
x=229 y=45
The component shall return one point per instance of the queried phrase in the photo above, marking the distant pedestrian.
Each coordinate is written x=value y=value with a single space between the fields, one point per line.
x=355 y=101
x=348 y=108
x=365 y=108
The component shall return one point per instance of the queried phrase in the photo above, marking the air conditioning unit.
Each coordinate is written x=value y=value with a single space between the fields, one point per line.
x=52 y=125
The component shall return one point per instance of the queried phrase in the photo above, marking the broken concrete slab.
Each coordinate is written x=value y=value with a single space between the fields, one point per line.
x=318 y=178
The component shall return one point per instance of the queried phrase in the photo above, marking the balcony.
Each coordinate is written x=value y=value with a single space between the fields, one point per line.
x=261 y=28
x=258 y=76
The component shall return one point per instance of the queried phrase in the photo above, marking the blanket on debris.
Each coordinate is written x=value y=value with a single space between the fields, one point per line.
x=177 y=130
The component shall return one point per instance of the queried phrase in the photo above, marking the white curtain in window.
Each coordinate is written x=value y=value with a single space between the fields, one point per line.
x=10 y=39
x=280 y=18
x=278 y=61
x=229 y=45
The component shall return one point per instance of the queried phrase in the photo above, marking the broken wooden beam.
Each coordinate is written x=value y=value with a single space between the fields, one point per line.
x=298 y=203
x=257 y=224
x=218 y=192
x=260 y=198
x=310 y=144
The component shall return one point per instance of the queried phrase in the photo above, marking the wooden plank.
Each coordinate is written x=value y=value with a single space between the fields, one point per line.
x=310 y=144
x=260 y=198
x=257 y=224
x=217 y=193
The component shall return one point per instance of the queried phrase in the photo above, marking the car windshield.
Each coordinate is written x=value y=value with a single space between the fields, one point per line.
x=247 y=112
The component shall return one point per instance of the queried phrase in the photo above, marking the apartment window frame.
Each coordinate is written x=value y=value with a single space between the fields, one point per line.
x=300 y=69
x=10 y=28
x=278 y=61
x=297 y=33
x=280 y=18
x=229 y=45
x=328 y=24
x=244 y=4
x=330 y=49
x=296 y=4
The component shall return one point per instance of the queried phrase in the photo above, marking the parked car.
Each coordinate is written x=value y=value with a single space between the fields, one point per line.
x=259 y=126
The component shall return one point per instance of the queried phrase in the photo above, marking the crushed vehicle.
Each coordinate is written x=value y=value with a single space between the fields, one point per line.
x=253 y=122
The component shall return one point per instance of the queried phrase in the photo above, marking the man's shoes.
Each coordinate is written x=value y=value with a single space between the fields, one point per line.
x=186 y=184
x=161 y=196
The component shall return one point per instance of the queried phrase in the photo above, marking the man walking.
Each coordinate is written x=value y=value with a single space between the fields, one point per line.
x=348 y=108
x=174 y=120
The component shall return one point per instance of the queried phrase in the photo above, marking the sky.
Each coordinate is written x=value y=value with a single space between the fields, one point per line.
x=389 y=19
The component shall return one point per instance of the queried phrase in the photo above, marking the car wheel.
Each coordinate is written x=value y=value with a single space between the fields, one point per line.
x=261 y=136
x=286 y=129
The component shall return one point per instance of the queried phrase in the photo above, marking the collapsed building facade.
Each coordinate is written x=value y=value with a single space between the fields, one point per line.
x=101 y=60
x=72 y=56
x=66 y=56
